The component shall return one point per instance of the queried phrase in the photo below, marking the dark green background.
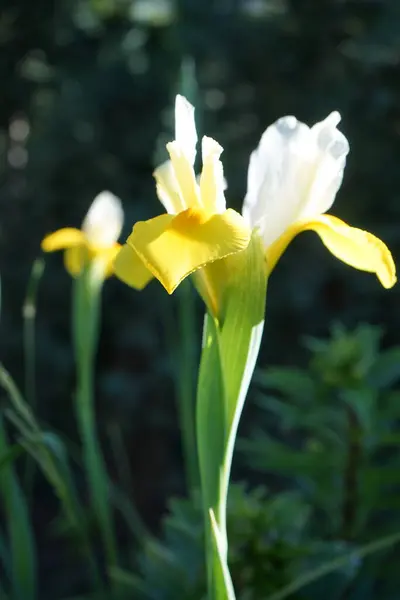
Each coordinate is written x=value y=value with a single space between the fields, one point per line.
x=96 y=85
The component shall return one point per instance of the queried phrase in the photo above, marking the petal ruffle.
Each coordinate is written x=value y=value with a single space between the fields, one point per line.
x=294 y=174
x=62 y=239
x=173 y=247
x=355 y=247
x=129 y=268
x=212 y=183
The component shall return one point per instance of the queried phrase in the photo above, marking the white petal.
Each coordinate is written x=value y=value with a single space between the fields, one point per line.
x=104 y=219
x=333 y=148
x=279 y=176
x=185 y=128
x=294 y=173
x=212 y=182
x=167 y=187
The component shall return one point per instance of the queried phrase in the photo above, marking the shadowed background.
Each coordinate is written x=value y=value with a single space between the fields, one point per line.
x=86 y=105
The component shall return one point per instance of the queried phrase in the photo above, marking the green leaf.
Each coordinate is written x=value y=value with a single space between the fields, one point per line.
x=21 y=539
x=231 y=344
x=227 y=592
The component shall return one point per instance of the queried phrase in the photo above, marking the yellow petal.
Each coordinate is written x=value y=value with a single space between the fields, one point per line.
x=129 y=268
x=63 y=238
x=185 y=177
x=173 y=247
x=107 y=256
x=355 y=247
x=75 y=258
x=167 y=188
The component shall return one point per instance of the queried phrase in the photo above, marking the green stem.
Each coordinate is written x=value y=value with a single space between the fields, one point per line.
x=86 y=316
x=210 y=419
x=231 y=345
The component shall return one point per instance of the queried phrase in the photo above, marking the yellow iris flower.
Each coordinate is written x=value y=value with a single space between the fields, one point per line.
x=293 y=178
x=197 y=229
x=95 y=242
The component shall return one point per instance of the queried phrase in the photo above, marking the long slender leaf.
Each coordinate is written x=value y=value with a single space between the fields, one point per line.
x=50 y=454
x=21 y=538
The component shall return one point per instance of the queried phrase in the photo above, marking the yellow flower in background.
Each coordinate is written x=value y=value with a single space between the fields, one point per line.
x=96 y=241
x=293 y=178
x=197 y=229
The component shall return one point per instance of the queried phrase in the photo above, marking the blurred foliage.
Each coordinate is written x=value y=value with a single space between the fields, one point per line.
x=330 y=431
x=87 y=89
x=269 y=546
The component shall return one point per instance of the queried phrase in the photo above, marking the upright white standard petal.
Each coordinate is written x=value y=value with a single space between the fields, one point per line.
x=333 y=149
x=104 y=219
x=294 y=174
x=185 y=128
x=212 y=182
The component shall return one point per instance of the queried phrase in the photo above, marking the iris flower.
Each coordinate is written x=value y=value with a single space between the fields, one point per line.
x=197 y=229
x=293 y=178
x=95 y=242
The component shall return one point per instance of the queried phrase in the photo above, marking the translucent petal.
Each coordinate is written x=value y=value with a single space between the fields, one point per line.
x=212 y=182
x=63 y=238
x=185 y=128
x=129 y=268
x=185 y=177
x=173 y=247
x=294 y=174
x=168 y=190
x=103 y=222
x=279 y=176
x=333 y=148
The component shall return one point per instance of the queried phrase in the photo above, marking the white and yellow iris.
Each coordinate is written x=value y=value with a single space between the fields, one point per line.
x=293 y=178
x=96 y=242
x=197 y=229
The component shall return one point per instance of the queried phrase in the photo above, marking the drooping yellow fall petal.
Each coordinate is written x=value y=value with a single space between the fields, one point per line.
x=62 y=239
x=173 y=247
x=129 y=268
x=355 y=247
x=75 y=258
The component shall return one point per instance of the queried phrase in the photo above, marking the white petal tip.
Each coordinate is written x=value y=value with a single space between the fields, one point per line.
x=288 y=123
x=183 y=109
x=209 y=146
x=334 y=118
x=183 y=102
x=104 y=219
